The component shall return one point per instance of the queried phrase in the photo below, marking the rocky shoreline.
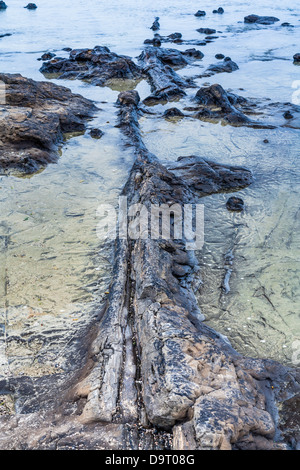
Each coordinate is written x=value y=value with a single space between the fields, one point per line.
x=148 y=373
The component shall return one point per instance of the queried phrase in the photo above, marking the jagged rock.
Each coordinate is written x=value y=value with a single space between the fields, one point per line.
x=155 y=26
x=227 y=66
x=266 y=20
x=33 y=119
x=217 y=105
x=165 y=82
x=97 y=66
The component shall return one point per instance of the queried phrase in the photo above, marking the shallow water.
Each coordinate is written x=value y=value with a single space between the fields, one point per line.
x=53 y=267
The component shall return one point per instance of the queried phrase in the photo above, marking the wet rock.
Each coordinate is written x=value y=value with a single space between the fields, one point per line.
x=235 y=204
x=296 y=58
x=287 y=24
x=227 y=66
x=3 y=5
x=173 y=112
x=175 y=36
x=217 y=105
x=98 y=66
x=206 y=31
x=47 y=56
x=196 y=54
x=219 y=56
x=266 y=20
x=220 y=10
x=31 y=6
x=96 y=133
x=288 y=115
x=165 y=82
x=155 y=26
x=4 y=35
x=67 y=49
x=33 y=120
x=266 y=141
x=200 y=13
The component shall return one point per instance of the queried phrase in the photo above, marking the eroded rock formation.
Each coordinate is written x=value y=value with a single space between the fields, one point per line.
x=33 y=118
x=155 y=376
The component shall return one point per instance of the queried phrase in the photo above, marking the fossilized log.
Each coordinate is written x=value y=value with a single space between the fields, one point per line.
x=184 y=376
x=165 y=83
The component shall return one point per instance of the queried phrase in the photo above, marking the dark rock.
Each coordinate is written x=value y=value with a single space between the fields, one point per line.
x=67 y=49
x=155 y=26
x=219 y=56
x=47 y=56
x=4 y=35
x=227 y=66
x=218 y=105
x=193 y=53
x=266 y=20
x=165 y=82
x=296 y=58
x=98 y=66
x=3 y=5
x=288 y=115
x=220 y=10
x=266 y=141
x=175 y=36
x=36 y=114
x=206 y=31
x=96 y=133
x=235 y=204
x=173 y=112
x=287 y=24
x=200 y=13
x=31 y=6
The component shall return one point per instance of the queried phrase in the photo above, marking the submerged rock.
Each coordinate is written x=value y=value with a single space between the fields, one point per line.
x=235 y=204
x=96 y=133
x=266 y=20
x=33 y=120
x=206 y=31
x=5 y=34
x=98 y=66
x=3 y=5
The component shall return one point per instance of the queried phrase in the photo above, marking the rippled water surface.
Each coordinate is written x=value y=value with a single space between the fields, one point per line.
x=54 y=271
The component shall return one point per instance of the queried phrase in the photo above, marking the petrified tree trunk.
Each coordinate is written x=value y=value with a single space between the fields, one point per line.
x=156 y=363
